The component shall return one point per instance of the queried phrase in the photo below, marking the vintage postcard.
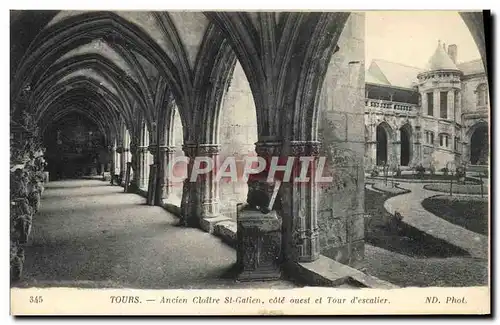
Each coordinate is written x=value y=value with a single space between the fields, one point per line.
x=249 y=163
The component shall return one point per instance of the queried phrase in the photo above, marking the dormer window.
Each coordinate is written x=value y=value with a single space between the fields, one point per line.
x=482 y=95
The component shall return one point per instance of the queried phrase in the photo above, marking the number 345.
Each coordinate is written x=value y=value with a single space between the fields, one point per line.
x=36 y=299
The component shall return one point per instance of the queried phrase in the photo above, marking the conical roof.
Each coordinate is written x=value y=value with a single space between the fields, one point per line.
x=440 y=60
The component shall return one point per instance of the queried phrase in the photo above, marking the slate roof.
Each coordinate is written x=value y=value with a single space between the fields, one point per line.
x=440 y=60
x=471 y=67
x=392 y=74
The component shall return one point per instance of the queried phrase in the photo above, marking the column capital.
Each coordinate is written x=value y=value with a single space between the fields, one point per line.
x=190 y=149
x=152 y=148
x=142 y=149
x=167 y=149
x=305 y=148
x=120 y=149
x=208 y=149
x=268 y=147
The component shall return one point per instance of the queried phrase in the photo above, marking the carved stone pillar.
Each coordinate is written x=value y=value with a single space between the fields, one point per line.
x=143 y=166
x=189 y=201
x=209 y=189
x=134 y=168
x=118 y=161
x=164 y=187
x=304 y=244
x=121 y=165
x=152 y=173
x=396 y=146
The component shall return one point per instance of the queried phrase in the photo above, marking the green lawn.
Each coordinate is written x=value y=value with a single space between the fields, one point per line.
x=399 y=237
x=458 y=188
x=437 y=177
x=469 y=214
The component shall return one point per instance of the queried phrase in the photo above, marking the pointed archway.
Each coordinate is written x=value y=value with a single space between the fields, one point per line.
x=382 y=144
x=406 y=149
x=479 y=149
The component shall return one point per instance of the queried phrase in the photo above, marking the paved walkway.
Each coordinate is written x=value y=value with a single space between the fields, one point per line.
x=91 y=234
x=410 y=207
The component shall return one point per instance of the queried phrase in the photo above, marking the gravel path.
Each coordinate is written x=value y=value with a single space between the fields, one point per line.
x=91 y=234
x=410 y=207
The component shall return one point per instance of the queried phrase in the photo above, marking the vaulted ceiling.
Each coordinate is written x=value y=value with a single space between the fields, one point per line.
x=119 y=66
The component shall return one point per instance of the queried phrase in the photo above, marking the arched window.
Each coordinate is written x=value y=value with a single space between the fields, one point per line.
x=482 y=95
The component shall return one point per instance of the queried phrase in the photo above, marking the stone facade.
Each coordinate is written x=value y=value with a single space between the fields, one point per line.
x=430 y=121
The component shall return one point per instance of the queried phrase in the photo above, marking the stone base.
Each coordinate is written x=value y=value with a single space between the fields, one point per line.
x=227 y=231
x=208 y=224
x=259 y=275
x=326 y=272
x=259 y=245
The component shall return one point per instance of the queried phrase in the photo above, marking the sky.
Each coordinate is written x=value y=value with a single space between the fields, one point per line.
x=411 y=37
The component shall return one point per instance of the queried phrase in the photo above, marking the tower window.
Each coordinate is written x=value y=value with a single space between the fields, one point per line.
x=443 y=103
x=430 y=104
x=443 y=140
x=482 y=95
x=429 y=137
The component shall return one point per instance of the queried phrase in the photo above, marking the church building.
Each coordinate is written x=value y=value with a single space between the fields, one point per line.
x=434 y=117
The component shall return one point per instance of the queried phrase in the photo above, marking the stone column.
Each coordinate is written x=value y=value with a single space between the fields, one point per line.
x=451 y=105
x=121 y=164
x=305 y=244
x=117 y=168
x=134 y=168
x=152 y=174
x=164 y=186
x=189 y=203
x=114 y=163
x=396 y=149
x=143 y=166
x=417 y=152
x=209 y=189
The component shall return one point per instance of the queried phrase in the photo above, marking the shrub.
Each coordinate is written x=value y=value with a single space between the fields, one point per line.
x=394 y=223
x=420 y=170
x=460 y=172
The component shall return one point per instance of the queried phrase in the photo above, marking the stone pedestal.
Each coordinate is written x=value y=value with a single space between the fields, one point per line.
x=259 y=246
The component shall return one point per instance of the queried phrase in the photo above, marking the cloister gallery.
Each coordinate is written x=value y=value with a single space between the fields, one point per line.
x=121 y=94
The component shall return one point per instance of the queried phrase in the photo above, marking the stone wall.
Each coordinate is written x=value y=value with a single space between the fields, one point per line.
x=237 y=136
x=342 y=133
x=469 y=98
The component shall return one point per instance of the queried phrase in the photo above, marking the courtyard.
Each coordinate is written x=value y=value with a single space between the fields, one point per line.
x=438 y=240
